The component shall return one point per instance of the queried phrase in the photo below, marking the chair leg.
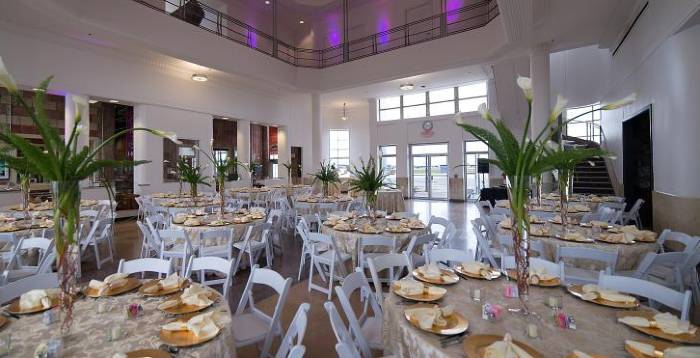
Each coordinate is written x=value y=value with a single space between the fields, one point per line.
x=330 y=281
x=302 y=260
x=311 y=271
x=97 y=254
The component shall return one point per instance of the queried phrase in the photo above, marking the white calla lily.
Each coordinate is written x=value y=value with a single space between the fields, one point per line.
x=525 y=84
x=619 y=103
x=6 y=79
x=170 y=135
x=558 y=108
x=458 y=118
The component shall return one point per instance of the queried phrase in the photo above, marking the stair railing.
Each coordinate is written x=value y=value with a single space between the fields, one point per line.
x=617 y=186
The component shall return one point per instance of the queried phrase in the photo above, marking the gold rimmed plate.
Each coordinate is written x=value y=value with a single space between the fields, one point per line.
x=492 y=274
x=148 y=353
x=130 y=284
x=3 y=321
x=424 y=296
x=350 y=229
x=604 y=238
x=186 y=338
x=213 y=224
x=144 y=289
x=455 y=323
x=15 y=309
x=369 y=232
x=182 y=308
x=658 y=345
x=656 y=332
x=399 y=231
x=447 y=277
x=474 y=346
x=577 y=290
x=555 y=282
x=572 y=355
x=585 y=240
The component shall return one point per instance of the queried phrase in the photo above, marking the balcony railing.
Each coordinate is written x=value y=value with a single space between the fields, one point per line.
x=434 y=27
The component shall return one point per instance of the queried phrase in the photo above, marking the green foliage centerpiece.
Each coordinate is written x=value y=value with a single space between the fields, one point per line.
x=222 y=168
x=290 y=166
x=65 y=165
x=192 y=175
x=521 y=160
x=368 y=179
x=327 y=174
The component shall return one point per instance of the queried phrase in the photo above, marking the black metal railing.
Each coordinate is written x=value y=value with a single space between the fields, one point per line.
x=434 y=27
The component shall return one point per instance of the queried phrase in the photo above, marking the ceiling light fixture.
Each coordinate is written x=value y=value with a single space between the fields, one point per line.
x=267 y=2
x=38 y=89
x=92 y=101
x=301 y=21
x=199 y=78
x=113 y=101
x=224 y=117
x=345 y=113
x=406 y=86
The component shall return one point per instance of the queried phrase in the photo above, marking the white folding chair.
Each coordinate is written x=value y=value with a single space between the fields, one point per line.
x=578 y=275
x=176 y=244
x=149 y=244
x=215 y=264
x=259 y=327
x=148 y=264
x=16 y=268
x=100 y=233
x=218 y=243
x=250 y=247
x=422 y=242
x=633 y=214
x=380 y=245
x=443 y=228
x=15 y=289
x=449 y=256
x=665 y=269
x=328 y=261
x=295 y=334
x=484 y=207
x=679 y=301
x=366 y=328
x=8 y=242
x=675 y=238
x=485 y=253
x=358 y=206
x=394 y=263
x=345 y=347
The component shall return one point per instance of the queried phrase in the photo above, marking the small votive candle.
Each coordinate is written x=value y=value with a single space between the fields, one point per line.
x=554 y=302
x=476 y=294
x=532 y=330
x=510 y=290
x=115 y=332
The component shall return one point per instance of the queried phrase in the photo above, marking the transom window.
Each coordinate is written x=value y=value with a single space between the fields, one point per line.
x=466 y=98
x=340 y=150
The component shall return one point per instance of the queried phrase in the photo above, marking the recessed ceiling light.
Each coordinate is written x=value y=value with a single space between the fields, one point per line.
x=406 y=86
x=301 y=21
x=113 y=101
x=92 y=101
x=35 y=89
x=267 y=2
x=199 y=78
x=224 y=117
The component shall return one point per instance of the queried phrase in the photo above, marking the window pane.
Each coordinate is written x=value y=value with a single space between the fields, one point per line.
x=476 y=146
x=471 y=105
x=575 y=129
x=414 y=112
x=442 y=95
x=390 y=114
x=387 y=150
x=429 y=149
x=390 y=102
x=437 y=109
x=413 y=99
x=473 y=90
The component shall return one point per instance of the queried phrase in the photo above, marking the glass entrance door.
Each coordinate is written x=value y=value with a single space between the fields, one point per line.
x=429 y=171
x=475 y=180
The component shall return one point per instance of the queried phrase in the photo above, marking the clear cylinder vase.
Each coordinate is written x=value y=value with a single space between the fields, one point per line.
x=564 y=187
x=222 y=197
x=371 y=203
x=66 y=207
x=25 y=187
x=522 y=259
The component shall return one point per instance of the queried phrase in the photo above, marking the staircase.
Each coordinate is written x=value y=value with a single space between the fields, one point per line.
x=590 y=179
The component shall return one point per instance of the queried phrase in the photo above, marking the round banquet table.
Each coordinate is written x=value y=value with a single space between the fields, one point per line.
x=315 y=206
x=347 y=241
x=88 y=337
x=390 y=201
x=597 y=330
x=628 y=255
x=194 y=231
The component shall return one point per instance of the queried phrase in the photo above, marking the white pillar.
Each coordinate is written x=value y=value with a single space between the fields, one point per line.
x=539 y=72
x=243 y=145
x=283 y=151
x=316 y=136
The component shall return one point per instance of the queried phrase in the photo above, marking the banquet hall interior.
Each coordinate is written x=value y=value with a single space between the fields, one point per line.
x=351 y=178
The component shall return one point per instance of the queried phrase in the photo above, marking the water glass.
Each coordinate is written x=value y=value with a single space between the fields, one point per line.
x=477 y=294
x=555 y=301
x=5 y=344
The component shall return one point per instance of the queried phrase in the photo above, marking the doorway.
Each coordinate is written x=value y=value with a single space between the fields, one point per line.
x=637 y=163
x=476 y=170
x=429 y=171
x=296 y=165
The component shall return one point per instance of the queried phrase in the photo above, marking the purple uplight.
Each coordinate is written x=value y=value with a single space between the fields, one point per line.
x=333 y=24
x=383 y=25
x=453 y=5
x=252 y=39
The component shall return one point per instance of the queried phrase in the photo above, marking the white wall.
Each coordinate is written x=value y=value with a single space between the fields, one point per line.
x=358 y=124
x=580 y=75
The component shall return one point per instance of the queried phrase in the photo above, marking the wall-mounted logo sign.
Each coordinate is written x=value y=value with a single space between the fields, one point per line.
x=427 y=129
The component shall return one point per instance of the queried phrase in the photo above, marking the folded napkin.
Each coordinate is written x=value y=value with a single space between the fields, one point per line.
x=591 y=292
x=474 y=267
x=111 y=281
x=196 y=295
x=202 y=325
x=430 y=271
x=170 y=282
x=505 y=349
x=428 y=317
x=192 y=222
x=666 y=322
x=574 y=236
x=34 y=299
x=675 y=352
x=410 y=287
x=538 y=274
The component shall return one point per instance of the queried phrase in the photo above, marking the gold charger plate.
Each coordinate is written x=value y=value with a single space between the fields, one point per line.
x=346 y=230
x=185 y=309
x=14 y=307
x=456 y=323
x=658 y=333
x=370 y=232
x=494 y=274
x=447 y=277
x=555 y=282
x=604 y=239
x=572 y=355
x=161 y=292
x=577 y=290
x=475 y=345
x=423 y=297
x=3 y=321
x=586 y=240
x=660 y=346
x=401 y=231
x=148 y=353
x=131 y=283
x=217 y=225
x=185 y=338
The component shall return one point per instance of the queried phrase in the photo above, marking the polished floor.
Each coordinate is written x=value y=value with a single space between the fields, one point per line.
x=319 y=340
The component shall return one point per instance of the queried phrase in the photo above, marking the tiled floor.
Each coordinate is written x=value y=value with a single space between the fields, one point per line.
x=319 y=339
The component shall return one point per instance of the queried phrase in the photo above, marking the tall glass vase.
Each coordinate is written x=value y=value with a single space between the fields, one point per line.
x=371 y=202
x=66 y=215
x=222 y=197
x=538 y=190
x=25 y=187
x=518 y=197
x=564 y=187
x=325 y=189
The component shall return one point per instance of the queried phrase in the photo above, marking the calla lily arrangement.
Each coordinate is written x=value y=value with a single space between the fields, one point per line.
x=191 y=174
x=368 y=178
x=524 y=158
x=64 y=164
x=222 y=167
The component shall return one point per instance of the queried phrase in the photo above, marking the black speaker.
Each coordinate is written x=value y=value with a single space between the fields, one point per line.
x=482 y=166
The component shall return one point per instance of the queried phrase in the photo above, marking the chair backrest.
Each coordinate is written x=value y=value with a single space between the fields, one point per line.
x=554 y=268
x=450 y=256
x=295 y=333
x=211 y=263
x=500 y=211
x=220 y=237
x=36 y=243
x=172 y=235
x=356 y=205
x=377 y=240
x=653 y=291
x=483 y=245
x=45 y=247
x=357 y=282
x=342 y=335
x=445 y=228
x=269 y=278
x=390 y=262
x=636 y=206
x=310 y=219
x=609 y=258
x=419 y=241
x=149 y=264
x=297 y=351
x=15 y=289
x=690 y=243
x=675 y=261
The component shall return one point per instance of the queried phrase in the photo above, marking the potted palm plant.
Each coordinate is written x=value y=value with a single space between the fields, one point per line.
x=64 y=164
x=327 y=174
x=521 y=160
x=191 y=174
x=368 y=179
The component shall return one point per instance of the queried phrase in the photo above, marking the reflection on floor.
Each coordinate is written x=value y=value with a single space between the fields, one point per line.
x=319 y=340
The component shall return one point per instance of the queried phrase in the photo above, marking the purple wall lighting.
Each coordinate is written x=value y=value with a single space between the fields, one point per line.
x=453 y=5
x=334 y=30
x=252 y=39
x=383 y=25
